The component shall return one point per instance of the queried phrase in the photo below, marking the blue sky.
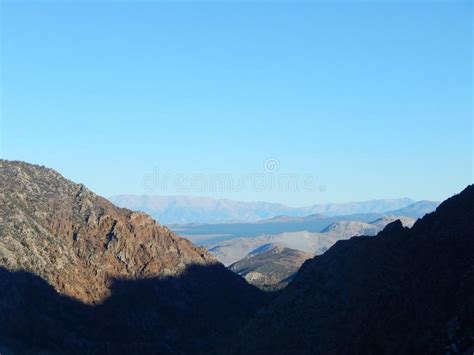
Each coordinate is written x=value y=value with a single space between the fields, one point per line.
x=369 y=99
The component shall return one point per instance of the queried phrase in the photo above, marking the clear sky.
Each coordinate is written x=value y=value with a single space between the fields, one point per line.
x=369 y=99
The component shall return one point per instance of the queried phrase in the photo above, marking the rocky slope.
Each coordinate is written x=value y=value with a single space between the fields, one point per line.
x=403 y=291
x=230 y=251
x=78 y=241
x=116 y=277
x=271 y=267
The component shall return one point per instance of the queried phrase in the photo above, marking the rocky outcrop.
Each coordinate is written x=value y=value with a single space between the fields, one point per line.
x=272 y=267
x=79 y=241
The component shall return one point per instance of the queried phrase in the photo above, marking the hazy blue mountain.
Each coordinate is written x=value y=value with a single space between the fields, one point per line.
x=416 y=210
x=371 y=206
x=190 y=209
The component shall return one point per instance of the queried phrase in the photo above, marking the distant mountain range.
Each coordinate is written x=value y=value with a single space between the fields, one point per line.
x=190 y=209
x=206 y=234
x=233 y=250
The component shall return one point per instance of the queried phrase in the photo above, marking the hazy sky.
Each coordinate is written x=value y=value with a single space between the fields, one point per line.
x=363 y=100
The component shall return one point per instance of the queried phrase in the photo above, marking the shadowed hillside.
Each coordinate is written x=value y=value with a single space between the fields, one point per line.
x=173 y=315
x=404 y=291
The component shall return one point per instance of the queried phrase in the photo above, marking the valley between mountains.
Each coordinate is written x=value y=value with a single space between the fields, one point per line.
x=79 y=275
x=292 y=238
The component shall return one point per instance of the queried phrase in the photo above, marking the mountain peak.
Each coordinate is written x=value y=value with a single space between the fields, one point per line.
x=271 y=267
x=396 y=225
x=78 y=240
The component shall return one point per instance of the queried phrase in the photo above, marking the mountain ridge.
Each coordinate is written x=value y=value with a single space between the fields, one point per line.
x=44 y=211
x=190 y=209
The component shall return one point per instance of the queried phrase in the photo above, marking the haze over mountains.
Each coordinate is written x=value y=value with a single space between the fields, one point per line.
x=231 y=251
x=189 y=209
x=207 y=234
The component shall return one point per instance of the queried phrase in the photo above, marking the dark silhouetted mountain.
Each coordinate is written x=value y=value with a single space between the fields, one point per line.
x=271 y=266
x=191 y=209
x=185 y=314
x=404 y=291
x=79 y=275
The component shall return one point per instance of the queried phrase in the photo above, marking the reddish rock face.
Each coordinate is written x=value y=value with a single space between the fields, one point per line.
x=81 y=276
x=78 y=241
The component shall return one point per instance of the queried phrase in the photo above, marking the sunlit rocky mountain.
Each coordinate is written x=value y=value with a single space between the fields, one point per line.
x=81 y=276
